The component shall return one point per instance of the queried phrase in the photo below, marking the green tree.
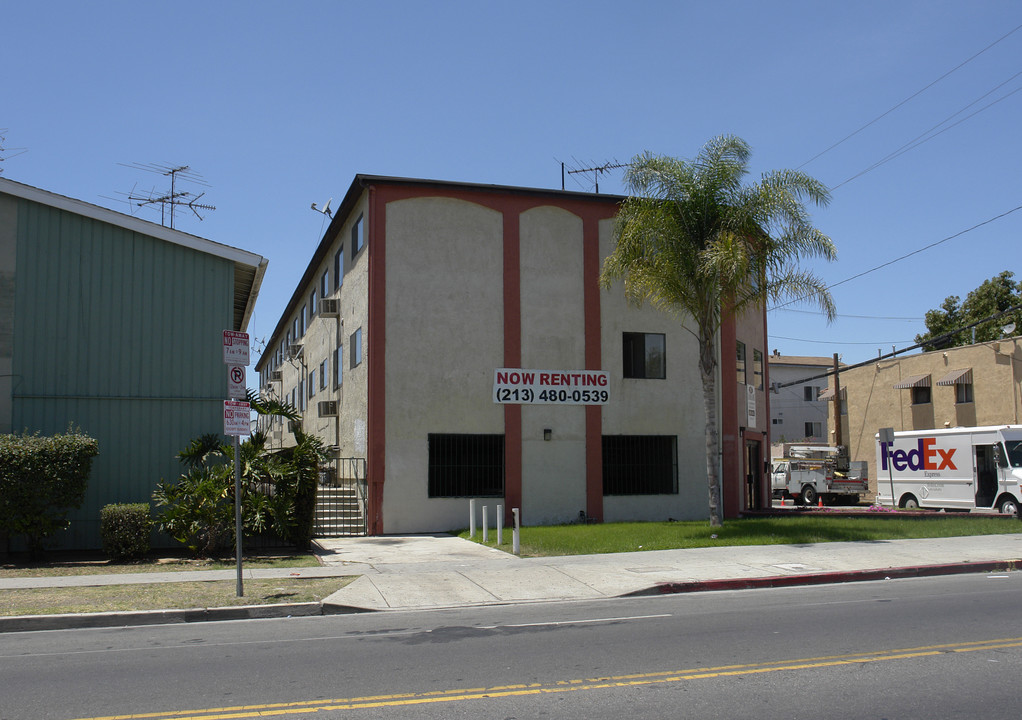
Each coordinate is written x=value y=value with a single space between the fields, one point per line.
x=693 y=240
x=992 y=297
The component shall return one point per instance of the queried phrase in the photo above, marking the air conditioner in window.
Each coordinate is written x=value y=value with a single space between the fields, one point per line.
x=329 y=308
x=327 y=408
x=294 y=350
x=276 y=376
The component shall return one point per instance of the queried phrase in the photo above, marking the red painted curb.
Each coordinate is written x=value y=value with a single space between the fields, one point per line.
x=831 y=577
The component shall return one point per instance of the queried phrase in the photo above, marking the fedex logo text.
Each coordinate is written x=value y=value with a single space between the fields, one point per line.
x=924 y=457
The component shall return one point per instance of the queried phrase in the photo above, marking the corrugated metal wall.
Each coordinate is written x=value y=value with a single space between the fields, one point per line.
x=119 y=334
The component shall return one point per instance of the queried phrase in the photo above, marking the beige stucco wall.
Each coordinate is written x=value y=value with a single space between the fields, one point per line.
x=348 y=430
x=654 y=407
x=553 y=338
x=873 y=403
x=8 y=248
x=445 y=337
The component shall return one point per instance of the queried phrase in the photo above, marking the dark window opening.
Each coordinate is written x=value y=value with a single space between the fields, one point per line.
x=640 y=465
x=466 y=465
x=645 y=355
x=921 y=395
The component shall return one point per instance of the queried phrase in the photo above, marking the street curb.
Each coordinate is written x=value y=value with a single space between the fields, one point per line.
x=830 y=578
x=31 y=623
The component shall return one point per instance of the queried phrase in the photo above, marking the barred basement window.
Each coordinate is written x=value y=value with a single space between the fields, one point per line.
x=640 y=465
x=466 y=465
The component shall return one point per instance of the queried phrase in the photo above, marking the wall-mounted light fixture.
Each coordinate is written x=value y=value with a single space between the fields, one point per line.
x=547 y=433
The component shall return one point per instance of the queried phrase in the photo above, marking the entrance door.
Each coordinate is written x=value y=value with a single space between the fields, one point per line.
x=753 y=475
x=986 y=476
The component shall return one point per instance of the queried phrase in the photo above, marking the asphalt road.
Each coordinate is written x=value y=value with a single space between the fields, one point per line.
x=923 y=648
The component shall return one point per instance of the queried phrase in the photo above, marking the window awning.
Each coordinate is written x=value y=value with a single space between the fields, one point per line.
x=828 y=394
x=957 y=377
x=914 y=381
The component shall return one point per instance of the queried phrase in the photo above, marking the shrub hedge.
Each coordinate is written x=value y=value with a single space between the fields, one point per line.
x=124 y=529
x=41 y=479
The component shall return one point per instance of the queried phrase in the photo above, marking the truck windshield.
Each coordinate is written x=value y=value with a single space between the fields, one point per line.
x=1014 y=452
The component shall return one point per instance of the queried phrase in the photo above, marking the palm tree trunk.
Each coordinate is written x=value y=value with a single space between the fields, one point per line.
x=707 y=366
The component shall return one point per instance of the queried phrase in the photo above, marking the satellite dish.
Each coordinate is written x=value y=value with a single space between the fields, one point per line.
x=1009 y=328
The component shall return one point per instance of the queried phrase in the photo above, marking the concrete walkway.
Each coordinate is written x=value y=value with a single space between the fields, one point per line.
x=442 y=571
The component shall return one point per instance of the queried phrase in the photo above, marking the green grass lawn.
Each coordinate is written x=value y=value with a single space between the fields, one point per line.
x=798 y=529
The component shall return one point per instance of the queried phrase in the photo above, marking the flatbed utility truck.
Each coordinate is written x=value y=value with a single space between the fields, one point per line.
x=812 y=474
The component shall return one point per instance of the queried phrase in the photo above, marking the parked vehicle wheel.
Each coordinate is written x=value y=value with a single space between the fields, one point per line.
x=1008 y=506
x=809 y=496
x=909 y=502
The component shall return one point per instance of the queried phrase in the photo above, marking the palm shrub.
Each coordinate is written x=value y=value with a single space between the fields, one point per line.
x=278 y=492
x=124 y=530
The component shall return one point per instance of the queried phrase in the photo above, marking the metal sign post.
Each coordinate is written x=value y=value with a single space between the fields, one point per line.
x=237 y=422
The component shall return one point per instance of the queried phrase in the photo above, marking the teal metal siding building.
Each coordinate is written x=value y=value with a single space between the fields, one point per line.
x=113 y=325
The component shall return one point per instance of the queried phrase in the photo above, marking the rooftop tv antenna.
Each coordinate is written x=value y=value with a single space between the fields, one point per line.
x=4 y=149
x=596 y=170
x=169 y=201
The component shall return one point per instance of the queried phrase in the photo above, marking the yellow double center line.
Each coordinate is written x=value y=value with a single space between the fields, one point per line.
x=563 y=686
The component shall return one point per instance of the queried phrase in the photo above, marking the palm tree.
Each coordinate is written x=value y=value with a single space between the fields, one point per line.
x=694 y=240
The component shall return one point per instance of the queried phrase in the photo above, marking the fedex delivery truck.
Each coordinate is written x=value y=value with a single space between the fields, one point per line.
x=955 y=469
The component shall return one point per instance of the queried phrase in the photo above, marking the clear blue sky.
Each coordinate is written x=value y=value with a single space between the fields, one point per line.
x=279 y=104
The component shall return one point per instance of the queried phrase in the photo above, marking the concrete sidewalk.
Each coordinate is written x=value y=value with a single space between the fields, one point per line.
x=442 y=571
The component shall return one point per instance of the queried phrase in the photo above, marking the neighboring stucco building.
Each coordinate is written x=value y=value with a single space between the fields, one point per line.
x=962 y=386
x=455 y=338
x=113 y=325
x=797 y=413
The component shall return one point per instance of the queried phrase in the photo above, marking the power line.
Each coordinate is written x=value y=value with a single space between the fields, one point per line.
x=834 y=342
x=922 y=138
x=859 y=317
x=910 y=97
x=929 y=341
x=906 y=256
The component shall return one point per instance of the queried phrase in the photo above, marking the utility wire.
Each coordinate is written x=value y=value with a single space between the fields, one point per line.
x=906 y=256
x=910 y=97
x=920 y=139
x=929 y=341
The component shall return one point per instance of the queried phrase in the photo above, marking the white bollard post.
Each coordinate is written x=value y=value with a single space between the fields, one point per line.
x=516 y=542
x=500 y=524
x=486 y=525
x=471 y=519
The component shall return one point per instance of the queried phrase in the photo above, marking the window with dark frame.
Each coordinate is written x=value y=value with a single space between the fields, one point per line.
x=640 y=465
x=740 y=362
x=323 y=370
x=339 y=268
x=357 y=237
x=464 y=465
x=313 y=303
x=757 y=368
x=921 y=395
x=644 y=355
x=324 y=283
x=963 y=393
x=338 y=366
x=355 y=343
